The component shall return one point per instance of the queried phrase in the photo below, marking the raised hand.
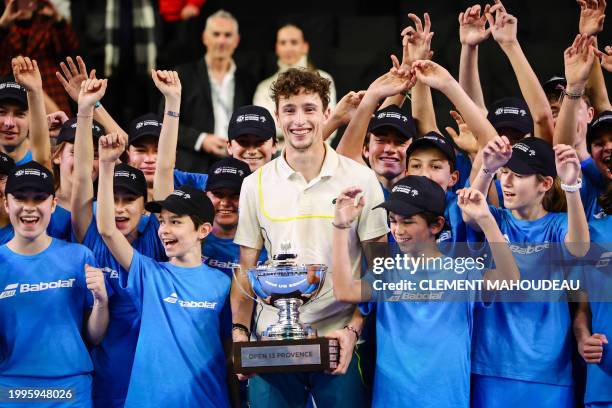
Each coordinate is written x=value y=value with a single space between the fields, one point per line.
x=473 y=203
x=578 y=61
x=92 y=90
x=168 y=83
x=26 y=73
x=496 y=153
x=349 y=204
x=111 y=147
x=605 y=58
x=94 y=278
x=591 y=348
x=55 y=120
x=567 y=163
x=346 y=107
x=591 y=16
x=416 y=43
x=472 y=26
x=431 y=74
x=391 y=83
x=503 y=26
x=12 y=13
x=73 y=76
x=465 y=140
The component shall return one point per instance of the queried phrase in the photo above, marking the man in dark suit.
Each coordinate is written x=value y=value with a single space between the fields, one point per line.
x=212 y=88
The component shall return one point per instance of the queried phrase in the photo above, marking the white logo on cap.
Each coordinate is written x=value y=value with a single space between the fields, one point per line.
x=19 y=173
x=30 y=172
x=510 y=110
x=147 y=123
x=393 y=115
x=406 y=190
x=10 y=85
x=251 y=117
x=240 y=118
x=123 y=173
x=229 y=170
x=524 y=148
x=182 y=194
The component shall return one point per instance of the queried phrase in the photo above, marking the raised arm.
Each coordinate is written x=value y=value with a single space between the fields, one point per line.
x=27 y=75
x=503 y=27
x=577 y=240
x=342 y=113
x=390 y=83
x=473 y=205
x=81 y=204
x=592 y=16
x=73 y=76
x=578 y=60
x=349 y=205
x=110 y=148
x=169 y=85
x=472 y=32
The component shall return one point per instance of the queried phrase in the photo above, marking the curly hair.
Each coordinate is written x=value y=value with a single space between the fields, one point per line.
x=295 y=80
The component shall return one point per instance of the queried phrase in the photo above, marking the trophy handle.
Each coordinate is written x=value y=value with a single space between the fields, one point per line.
x=236 y=270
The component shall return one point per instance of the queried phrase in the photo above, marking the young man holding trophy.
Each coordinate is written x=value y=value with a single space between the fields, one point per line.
x=288 y=206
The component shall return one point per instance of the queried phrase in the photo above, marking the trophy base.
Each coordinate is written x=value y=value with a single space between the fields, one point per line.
x=275 y=356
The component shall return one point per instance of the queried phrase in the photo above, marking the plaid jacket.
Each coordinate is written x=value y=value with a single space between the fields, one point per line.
x=48 y=43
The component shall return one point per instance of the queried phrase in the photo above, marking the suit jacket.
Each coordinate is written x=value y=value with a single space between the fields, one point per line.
x=197 y=112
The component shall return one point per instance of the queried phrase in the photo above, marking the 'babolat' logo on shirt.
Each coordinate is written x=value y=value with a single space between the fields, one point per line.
x=603 y=261
x=526 y=249
x=524 y=148
x=393 y=115
x=510 y=110
x=406 y=190
x=9 y=290
x=202 y=304
x=147 y=123
x=251 y=117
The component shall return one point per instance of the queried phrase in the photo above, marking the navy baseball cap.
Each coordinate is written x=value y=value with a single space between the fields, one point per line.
x=227 y=173
x=30 y=176
x=602 y=122
x=67 y=132
x=6 y=164
x=511 y=113
x=533 y=156
x=433 y=139
x=130 y=179
x=12 y=91
x=145 y=125
x=392 y=116
x=251 y=120
x=186 y=200
x=555 y=84
x=415 y=194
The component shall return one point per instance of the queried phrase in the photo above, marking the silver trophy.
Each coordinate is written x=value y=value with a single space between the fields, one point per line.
x=288 y=344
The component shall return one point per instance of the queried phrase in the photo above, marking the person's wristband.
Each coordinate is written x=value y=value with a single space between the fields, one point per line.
x=340 y=226
x=173 y=114
x=242 y=328
x=97 y=105
x=572 y=188
x=573 y=95
x=352 y=330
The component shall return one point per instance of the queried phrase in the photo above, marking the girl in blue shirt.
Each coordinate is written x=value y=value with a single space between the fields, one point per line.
x=183 y=304
x=522 y=351
x=47 y=295
x=433 y=368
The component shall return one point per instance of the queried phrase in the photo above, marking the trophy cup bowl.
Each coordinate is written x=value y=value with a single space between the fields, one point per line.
x=287 y=345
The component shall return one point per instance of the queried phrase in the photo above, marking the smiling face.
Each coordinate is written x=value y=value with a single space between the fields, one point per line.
x=225 y=202
x=290 y=45
x=301 y=117
x=386 y=153
x=30 y=212
x=412 y=232
x=252 y=150
x=64 y=159
x=601 y=151
x=14 y=126
x=522 y=191
x=433 y=164
x=128 y=209
x=143 y=156
x=179 y=234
